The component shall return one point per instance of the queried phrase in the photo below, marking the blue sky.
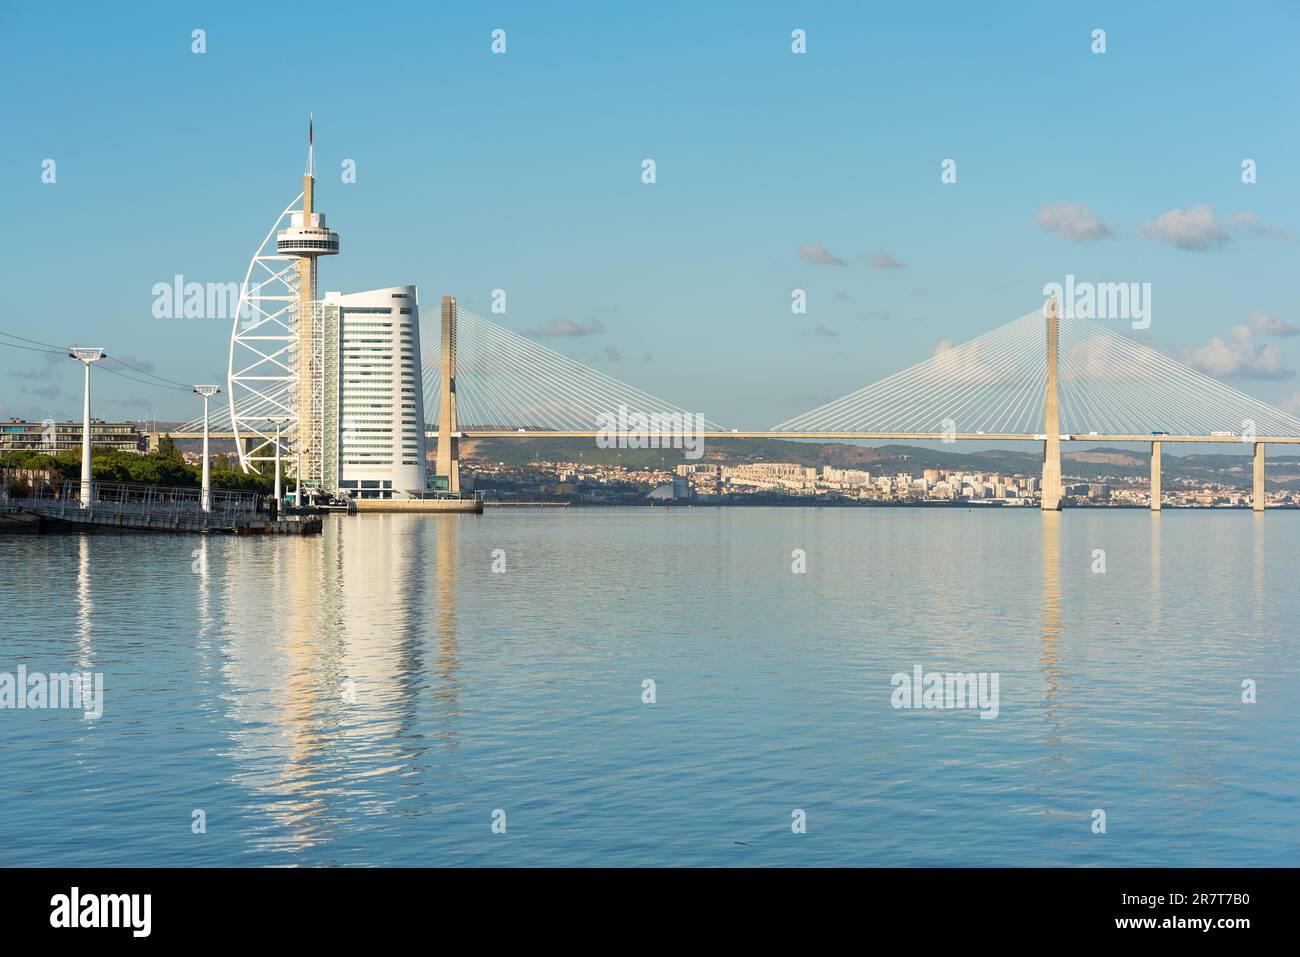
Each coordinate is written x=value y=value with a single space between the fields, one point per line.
x=522 y=172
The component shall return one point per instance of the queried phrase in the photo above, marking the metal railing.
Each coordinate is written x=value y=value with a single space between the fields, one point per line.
x=135 y=504
x=433 y=493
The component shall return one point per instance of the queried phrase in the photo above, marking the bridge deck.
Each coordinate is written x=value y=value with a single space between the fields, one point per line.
x=861 y=436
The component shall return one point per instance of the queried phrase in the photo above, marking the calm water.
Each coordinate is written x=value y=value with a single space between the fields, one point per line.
x=371 y=696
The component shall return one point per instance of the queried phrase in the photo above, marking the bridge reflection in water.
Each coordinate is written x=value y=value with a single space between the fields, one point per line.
x=1050 y=628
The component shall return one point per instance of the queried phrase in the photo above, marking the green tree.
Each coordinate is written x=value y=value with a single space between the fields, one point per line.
x=167 y=449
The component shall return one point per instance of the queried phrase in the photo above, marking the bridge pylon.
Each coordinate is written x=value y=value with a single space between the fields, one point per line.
x=447 y=464
x=1051 y=491
x=1155 y=476
x=1257 y=486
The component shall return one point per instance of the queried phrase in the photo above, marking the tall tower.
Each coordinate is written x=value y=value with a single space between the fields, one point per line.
x=448 y=461
x=306 y=239
x=1050 y=500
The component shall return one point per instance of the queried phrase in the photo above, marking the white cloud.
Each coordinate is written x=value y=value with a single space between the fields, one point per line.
x=1100 y=359
x=567 y=327
x=1239 y=358
x=1271 y=325
x=882 y=260
x=962 y=363
x=1194 y=229
x=819 y=255
x=1198 y=229
x=1074 y=221
x=1247 y=223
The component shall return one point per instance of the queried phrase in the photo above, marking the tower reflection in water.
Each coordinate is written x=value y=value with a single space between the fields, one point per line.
x=326 y=688
x=1050 y=658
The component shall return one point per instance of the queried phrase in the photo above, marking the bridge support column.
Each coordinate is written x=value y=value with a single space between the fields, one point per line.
x=1257 y=498
x=250 y=444
x=1155 y=476
x=1051 y=492
x=447 y=462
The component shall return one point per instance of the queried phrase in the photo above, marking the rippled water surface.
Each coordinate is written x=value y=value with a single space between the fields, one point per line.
x=373 y=695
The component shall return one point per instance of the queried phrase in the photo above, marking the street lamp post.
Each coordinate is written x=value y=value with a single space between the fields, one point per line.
x=205 y=499
x=86 y=356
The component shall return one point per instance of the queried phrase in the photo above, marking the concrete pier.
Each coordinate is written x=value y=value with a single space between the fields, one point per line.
x=420 y=505
x=1155 y=476
x=1257 y=497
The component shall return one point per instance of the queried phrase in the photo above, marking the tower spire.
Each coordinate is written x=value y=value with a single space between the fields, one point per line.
x=311 y=148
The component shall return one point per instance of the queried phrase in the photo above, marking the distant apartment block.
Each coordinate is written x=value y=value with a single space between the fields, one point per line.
x=50 y=437
x=845 y=476
x=771 y=475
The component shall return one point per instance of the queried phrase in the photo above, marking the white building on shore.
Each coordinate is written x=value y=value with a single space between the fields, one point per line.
x=372 y=342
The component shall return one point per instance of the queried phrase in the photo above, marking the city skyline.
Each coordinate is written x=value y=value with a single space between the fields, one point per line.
x=613 y=271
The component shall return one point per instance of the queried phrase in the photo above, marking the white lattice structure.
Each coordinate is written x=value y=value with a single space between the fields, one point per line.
x=262 y=374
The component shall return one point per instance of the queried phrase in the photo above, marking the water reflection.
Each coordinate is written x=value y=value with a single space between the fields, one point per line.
x=85 y=605
x=473 y=692
x=1154 y=593
x=271 y=674
x=327 y=691
x=203 y=604
x=1257 y=566
x=446 y=690
x=1050 y=657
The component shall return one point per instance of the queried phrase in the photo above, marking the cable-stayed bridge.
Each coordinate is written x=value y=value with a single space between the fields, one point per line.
x=319 y=380
x=997 y=383
x=506 y=382
x=993 y=385
x=1042 y=377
